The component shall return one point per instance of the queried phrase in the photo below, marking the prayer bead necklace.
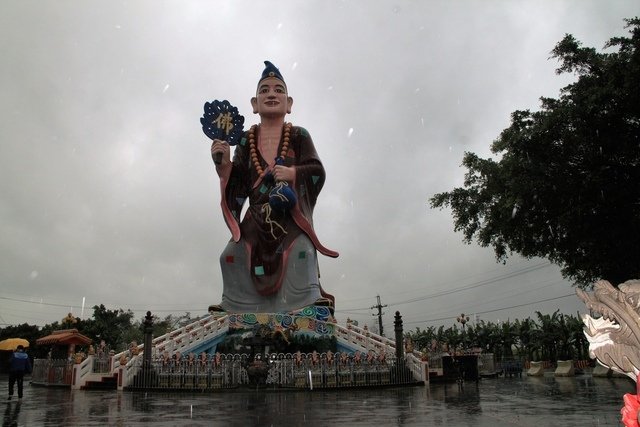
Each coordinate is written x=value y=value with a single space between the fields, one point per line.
x=254 y=152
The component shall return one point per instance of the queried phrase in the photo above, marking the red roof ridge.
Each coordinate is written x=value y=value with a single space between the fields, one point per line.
x=65 y=331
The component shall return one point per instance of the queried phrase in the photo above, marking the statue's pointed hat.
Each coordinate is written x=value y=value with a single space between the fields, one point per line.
x=271 y=70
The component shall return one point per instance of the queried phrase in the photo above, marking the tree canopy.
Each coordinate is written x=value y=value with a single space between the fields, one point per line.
x=565 y=184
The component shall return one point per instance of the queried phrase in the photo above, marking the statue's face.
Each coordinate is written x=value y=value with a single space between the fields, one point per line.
x=271 y=98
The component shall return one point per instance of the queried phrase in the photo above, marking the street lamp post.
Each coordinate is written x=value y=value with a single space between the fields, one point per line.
x=463 y=319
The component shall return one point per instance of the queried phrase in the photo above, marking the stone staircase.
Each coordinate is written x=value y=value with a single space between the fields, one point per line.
x=107 y=382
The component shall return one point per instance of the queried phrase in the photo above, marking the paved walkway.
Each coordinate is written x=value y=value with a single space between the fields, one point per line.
x=528 y=401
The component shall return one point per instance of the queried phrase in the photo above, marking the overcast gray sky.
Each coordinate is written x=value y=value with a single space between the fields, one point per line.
x=109 y=195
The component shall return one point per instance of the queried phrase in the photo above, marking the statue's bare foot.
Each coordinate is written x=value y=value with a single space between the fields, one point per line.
x=216 y=308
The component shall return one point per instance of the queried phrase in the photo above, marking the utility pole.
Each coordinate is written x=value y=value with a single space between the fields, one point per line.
x=380 y=313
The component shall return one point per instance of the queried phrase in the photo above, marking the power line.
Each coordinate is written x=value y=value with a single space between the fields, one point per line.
x=472 y=285
x=497 y=309
x=353 y=313
x=71 y=306
x=41 y=303
x=506 y=298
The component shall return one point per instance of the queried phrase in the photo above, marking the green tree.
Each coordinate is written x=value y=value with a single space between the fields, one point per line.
x=565 y=349
x=481 y=335
x=494 y=335
x=422 y=338
x=565 y=186
x=170 y=323
x=526 y=344
x=471 y=338
x=578 y=339
x=508 y=338
x=549 y=335
x=453 y=338
x=115 y=327
x=555 y=336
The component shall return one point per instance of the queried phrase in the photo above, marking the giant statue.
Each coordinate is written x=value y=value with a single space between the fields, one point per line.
x=270 y=264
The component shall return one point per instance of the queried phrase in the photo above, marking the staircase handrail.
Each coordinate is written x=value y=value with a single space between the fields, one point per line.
x=82 y=371
x=129 y=371
x=419 y=368
x=188 y=336
x=180 y=338
x=365 y=339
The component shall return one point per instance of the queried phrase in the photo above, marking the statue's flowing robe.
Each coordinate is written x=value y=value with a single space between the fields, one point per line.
x=270 y=239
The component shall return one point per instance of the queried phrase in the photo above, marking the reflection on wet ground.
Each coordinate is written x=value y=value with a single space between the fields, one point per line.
x=527 y=401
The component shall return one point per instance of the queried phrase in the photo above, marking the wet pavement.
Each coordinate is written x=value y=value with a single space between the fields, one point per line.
x=527 y=401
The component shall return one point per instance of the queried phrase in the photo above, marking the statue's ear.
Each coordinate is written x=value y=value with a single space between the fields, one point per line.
x=254 y=104
x=289 y=104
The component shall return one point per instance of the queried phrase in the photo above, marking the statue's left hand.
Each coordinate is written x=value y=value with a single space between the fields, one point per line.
x=284 y=173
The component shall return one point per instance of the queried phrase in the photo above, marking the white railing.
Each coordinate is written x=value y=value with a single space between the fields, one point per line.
x=126 y=373
x=367 y=341
x=181 y=339
x=419 y=368
x=191 y=335
x=81 y=372
x=364 y=339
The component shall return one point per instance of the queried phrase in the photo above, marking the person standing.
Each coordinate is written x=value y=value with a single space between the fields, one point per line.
x=19 y=365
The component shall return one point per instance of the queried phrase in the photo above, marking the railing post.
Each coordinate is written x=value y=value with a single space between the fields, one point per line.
x=400 y=368
x=148 y=349
x=76 y=377
x=397 y=326
x=121 y=372
x=148 y=339
x=425 y=372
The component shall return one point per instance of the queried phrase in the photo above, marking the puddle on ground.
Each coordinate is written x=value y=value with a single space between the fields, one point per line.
x=528 y=401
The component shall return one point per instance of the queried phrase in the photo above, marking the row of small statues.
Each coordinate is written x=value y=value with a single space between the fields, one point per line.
x=329 y=358
x=189 y=359
x=314 y=358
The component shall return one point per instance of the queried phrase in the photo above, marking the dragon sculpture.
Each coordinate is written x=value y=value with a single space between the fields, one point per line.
x=614 y=334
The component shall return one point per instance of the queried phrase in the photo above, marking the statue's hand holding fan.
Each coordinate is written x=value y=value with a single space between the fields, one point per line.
x=222 y=121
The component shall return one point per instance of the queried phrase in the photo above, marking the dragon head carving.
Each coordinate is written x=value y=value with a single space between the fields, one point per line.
x=614 y=334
